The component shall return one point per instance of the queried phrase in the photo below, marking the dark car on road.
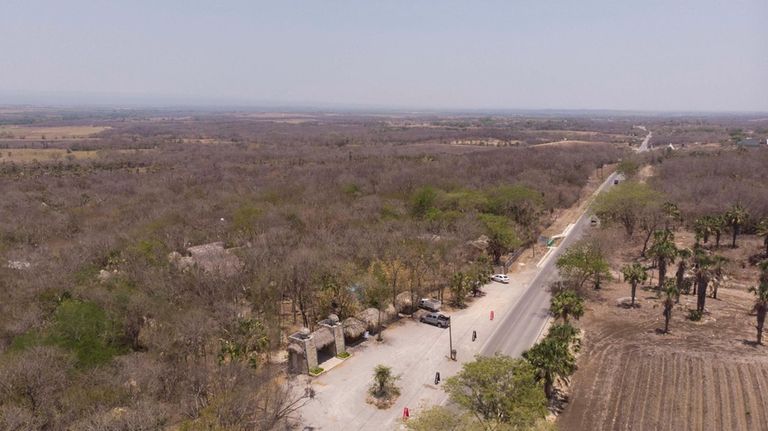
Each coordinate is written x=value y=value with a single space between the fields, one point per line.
x=438 y=319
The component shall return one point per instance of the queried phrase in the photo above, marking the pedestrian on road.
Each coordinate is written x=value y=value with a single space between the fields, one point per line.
x=474 y=335
x=437 y=377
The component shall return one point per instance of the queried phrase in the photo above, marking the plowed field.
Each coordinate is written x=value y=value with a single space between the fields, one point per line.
x=706 y=375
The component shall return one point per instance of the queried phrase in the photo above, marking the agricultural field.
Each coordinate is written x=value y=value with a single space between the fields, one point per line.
x=707 y=373
x=48 y=133
x=29 y=155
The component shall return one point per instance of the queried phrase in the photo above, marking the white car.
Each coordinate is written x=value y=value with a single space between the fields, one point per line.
x=501 y=278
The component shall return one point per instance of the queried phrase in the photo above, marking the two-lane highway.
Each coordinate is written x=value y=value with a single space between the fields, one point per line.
x=523 y=324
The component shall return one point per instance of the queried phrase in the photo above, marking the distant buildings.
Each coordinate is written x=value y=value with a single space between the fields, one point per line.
x=753 y=142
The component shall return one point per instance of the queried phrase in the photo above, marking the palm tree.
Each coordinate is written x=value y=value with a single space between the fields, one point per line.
x=762 y=230
x=672 y=213
x=670 y=291
x=683 y=255
x=703 y=273
x=634 y=274
x=552 y=360
x=760 y=308
x=384 y=382
x=718 y=264
x=567 y=303
x=735 y=217
x=664 y=250
x=716 y=225
x=702 y=227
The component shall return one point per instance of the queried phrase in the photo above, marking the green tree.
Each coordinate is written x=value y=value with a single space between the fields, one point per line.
x=459 y=286
x=584 y=261
x=634 y=274
x=702 y=265
x=246 y=340
x=717 y=224
x=564 y=333
x=383 y=385
x=664 y=250
x=670 y=295
x=702 y=228
x=683 y=256
x=502 y=237
x=498 y=390
x=735 y=218
x=553 y=360
x=565 y=304
x=422 y=201
x=518 y=202
x=717 y=269
x=762 y=230
x=628 y=168
x=86 y=330
x=760 y=308
x=625 y=204
x=672 y=214
x=376 y=292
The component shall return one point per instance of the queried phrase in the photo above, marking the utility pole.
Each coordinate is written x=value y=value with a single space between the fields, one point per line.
x=452 y=354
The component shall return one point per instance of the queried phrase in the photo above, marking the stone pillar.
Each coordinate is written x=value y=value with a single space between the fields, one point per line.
x=311 y=352
x=338 y=336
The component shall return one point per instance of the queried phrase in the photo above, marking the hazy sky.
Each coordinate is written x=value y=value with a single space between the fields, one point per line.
x=617 y=54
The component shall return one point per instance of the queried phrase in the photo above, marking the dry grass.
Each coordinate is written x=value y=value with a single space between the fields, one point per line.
x=29 y=155
x=568 y=143
x=48 y=133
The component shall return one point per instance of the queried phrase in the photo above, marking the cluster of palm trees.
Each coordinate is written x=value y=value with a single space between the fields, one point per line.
x=707 y=270
x=553 y=357
x=715 y=224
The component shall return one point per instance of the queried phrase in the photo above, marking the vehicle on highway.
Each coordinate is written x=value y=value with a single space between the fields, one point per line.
x=430 y=304
x=501 y=278
x=438 y=319
x=615 y=181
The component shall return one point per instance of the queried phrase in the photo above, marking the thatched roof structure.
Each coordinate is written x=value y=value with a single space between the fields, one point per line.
x=403 y=301
x=370 y=317
x=323 y=337
x=214 y=257
x=353 y=328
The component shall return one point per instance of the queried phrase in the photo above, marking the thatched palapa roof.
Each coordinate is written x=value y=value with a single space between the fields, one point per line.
x=370 y=317
x=323 y=337
x=353 y=328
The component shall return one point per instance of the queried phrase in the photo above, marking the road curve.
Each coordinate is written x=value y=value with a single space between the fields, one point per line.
x=522 y=325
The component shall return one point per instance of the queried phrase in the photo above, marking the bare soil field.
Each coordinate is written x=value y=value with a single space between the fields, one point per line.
x=706 y=375
x=48 y=133
x=28 y=155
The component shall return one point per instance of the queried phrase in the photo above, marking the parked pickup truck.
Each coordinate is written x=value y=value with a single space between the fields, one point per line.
x=430 y=304
x=437 y=319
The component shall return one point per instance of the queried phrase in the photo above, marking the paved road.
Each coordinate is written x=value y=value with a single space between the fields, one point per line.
x=644 y=146
x=522 y=325
x=521 y=313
